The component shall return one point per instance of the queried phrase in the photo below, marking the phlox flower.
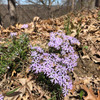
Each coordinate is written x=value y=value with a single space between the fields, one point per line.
x=25 y=26
x=1 y=97
x=12 y=34
x=53 y=66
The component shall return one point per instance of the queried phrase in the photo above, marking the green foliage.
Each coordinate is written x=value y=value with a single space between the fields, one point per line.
x=11 y=92
x=78 y=28
x=14 y=53
x=55 y=89
x=54 y=96
x=67 y=26
x=85 y=47
x=81 y=94
x=99 y=15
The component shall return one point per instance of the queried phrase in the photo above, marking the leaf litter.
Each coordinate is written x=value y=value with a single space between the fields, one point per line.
x=86 y=75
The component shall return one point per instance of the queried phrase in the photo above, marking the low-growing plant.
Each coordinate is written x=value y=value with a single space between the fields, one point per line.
x=54 y=96
x=54 y=89
x=99 y=15
x=11 y=92
x=56 y=63
x=14 y=53
x=78 y=28
x=67 y=26
x=85 y=47
x=81 y=94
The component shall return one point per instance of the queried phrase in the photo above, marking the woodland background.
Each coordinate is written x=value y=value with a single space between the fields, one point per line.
x=19 y=11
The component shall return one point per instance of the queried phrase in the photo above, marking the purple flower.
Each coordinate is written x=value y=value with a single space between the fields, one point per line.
x=54 y=78
x=55 y=57
x=1 y=97
x=56 y=66
x=65 y=91
x=34 y=54
x=38 y=49
x=36 y=67
x=63 y=52
x=12 y=34
x=71 y=50
x=25 y=26
x=73 y=40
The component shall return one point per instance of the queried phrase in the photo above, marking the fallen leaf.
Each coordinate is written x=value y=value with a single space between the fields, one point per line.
x=13 y=73
x=91 y=95
x=98 y=98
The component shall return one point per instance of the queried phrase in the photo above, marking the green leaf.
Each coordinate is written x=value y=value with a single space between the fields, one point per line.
x=86 y=47
x=81 y=94
x=8 y=93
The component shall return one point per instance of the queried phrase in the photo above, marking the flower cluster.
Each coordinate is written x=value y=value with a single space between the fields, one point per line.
x=64 y=43
x=56 y=66
x=1 y=97
x=12 y=34
x=25 y=26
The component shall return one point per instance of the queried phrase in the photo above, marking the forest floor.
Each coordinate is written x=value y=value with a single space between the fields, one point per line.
x=85 y=26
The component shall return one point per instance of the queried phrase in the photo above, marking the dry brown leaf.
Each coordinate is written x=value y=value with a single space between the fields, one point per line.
x=13 y=73
x=36 y=18
x=98 y=98
x=95 y=58
x=6 y=31
x=25 y=97
x=95 y=15
x=23 y=81
x=91 y=95
x=29 y=30
x=2 y=42
x=66 y=98
x=85 y=57
x=57 y=22
x=74 y=33
x=98 y=68
x=22 y=90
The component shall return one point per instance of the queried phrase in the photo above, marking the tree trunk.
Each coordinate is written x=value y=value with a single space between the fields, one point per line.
x=80 y=4
x=12 y=11
x=97 y=3
x=68 y=5
x=92 y=3
x=73 y=5
x=0 y=19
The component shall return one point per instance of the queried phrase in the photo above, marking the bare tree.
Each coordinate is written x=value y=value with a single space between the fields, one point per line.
x=81 y=2
x=92 y=3
x=73 y=4
x=47 y=4
x=12 y=11
x=1 y=1
x=97 y=3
